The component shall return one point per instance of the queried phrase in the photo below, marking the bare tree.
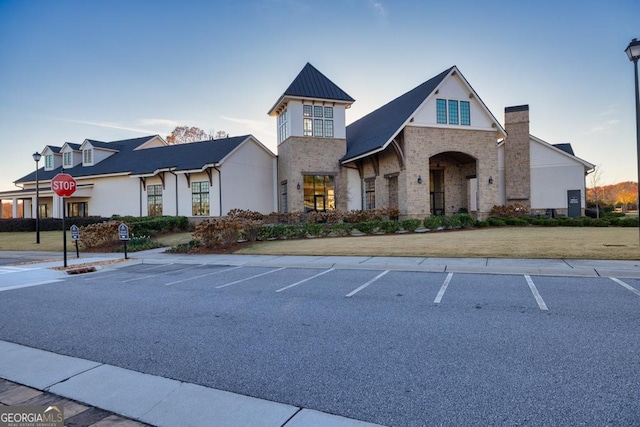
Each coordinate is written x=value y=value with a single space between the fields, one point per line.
x=595 y=189
x=186 y=134
x=221 y=134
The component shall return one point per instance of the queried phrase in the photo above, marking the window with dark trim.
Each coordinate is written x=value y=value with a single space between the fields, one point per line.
x=319 y=193
x=317 y=121
x=77 y=209
x=284 y=203
x=453 y=112
x=465 y=113
x=441 y=111
x=154 y=200
x=200 y=198
x=370 y=193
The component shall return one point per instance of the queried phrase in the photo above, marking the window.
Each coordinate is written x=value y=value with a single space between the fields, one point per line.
x=154 y=200
x=317 y=127
x=283 y=130
x=319 y=193
x=465 y=114
x=48 y=161
x=200 y=198
x=441 y=111
x=77 y=209
x=308 y=127
x=87 y=156
x=453 y=112
x=328 y=128
x=317 y=121
x=283 y=194
x=307 y=110
x=67 y=159
x=370 y=193
x=43 y=211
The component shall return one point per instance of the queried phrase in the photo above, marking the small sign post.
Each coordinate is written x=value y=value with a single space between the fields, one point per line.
x=123 y=234
x=64 y=185
x=75 y=236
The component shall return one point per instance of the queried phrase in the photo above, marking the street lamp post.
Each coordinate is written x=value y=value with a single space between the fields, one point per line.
x=633 y=52
x=37 y=156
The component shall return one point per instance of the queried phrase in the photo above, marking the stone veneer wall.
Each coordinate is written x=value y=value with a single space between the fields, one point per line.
x=298 y=156
x=517 y=157
x=422 y=143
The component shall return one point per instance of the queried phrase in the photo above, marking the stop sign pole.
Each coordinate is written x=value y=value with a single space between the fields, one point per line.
x=64 y=185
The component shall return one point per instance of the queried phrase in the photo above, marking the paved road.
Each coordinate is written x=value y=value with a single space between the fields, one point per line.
x=382 y=345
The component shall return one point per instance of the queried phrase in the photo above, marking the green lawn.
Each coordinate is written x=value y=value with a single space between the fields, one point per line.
x=499 y=242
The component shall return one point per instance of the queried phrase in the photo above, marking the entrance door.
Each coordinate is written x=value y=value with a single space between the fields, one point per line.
x=573 y=203
x=318 y=202
x=436 y=187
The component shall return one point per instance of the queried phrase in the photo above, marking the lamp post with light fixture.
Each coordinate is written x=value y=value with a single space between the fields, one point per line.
x=633 y=52
x=37 y=156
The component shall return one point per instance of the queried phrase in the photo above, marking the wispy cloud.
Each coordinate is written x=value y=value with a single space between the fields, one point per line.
x=144 y=126
x=605 y=126
x=254 y=125
x=378 y=8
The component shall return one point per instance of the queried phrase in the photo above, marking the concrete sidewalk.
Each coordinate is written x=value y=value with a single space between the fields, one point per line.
x=137 y=396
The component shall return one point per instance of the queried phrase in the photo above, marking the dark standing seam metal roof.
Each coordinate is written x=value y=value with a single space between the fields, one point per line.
x=191 y=156
x=566 y=147
x=311 y=83
x=374 y=130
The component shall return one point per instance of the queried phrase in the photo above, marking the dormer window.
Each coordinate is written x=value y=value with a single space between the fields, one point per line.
x=87 y=157
x=67 y=159
x=317 y=121
x=48 y=161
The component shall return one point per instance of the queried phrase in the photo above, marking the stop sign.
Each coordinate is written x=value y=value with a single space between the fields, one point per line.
x=63 y=185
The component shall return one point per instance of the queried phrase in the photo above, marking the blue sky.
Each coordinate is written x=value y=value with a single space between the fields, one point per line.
x=109 y=70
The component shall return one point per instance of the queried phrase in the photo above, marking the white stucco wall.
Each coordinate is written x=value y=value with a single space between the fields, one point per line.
x=114 y=195
x=454 y=89
x=247 y=180
x=552 y=174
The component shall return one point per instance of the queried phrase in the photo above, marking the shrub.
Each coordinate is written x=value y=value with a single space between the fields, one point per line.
x=518 y=222
x=465 y=219
x=481 y=224
x=410 y=224
x=218 y=232
x=629 y=222
x=433 y=222
x=495 y=222
x=100 y=234
x=511 y=210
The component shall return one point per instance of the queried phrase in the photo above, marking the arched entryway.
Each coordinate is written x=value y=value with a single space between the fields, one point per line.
x=452 y=183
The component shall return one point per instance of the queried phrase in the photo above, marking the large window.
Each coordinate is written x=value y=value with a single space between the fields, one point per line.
x=283 y=131
x=200 y=198
x=317 y=121
x=284 y=195
x=77 y=209
x=453 y=112
x=370 y=193
x=319 y=193
x=154 y=200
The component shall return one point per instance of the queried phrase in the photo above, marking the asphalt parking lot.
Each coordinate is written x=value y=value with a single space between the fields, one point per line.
x=384 y=346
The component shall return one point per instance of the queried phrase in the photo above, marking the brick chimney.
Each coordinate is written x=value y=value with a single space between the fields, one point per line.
x=517 y=163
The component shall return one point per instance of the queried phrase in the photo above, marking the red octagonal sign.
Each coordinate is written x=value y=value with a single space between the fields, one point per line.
x=63 y=185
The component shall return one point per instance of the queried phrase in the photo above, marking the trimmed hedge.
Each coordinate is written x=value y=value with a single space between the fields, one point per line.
x=46 y=224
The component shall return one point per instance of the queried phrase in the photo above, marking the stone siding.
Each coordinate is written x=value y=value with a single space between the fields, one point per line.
x=517 y=158
x=298 y=156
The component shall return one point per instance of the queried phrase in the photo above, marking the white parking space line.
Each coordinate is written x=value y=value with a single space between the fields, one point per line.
x=355 y=291
x=443 y=289
x=202 y=275
x=249 y=278
x=536 y=294
x=629 y=287
x=305 y=280
x=155 y=275
x=154 y=267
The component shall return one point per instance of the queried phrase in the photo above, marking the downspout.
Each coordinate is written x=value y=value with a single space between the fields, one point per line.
x=174 y=174
x=219 y=188
x=140 y=197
